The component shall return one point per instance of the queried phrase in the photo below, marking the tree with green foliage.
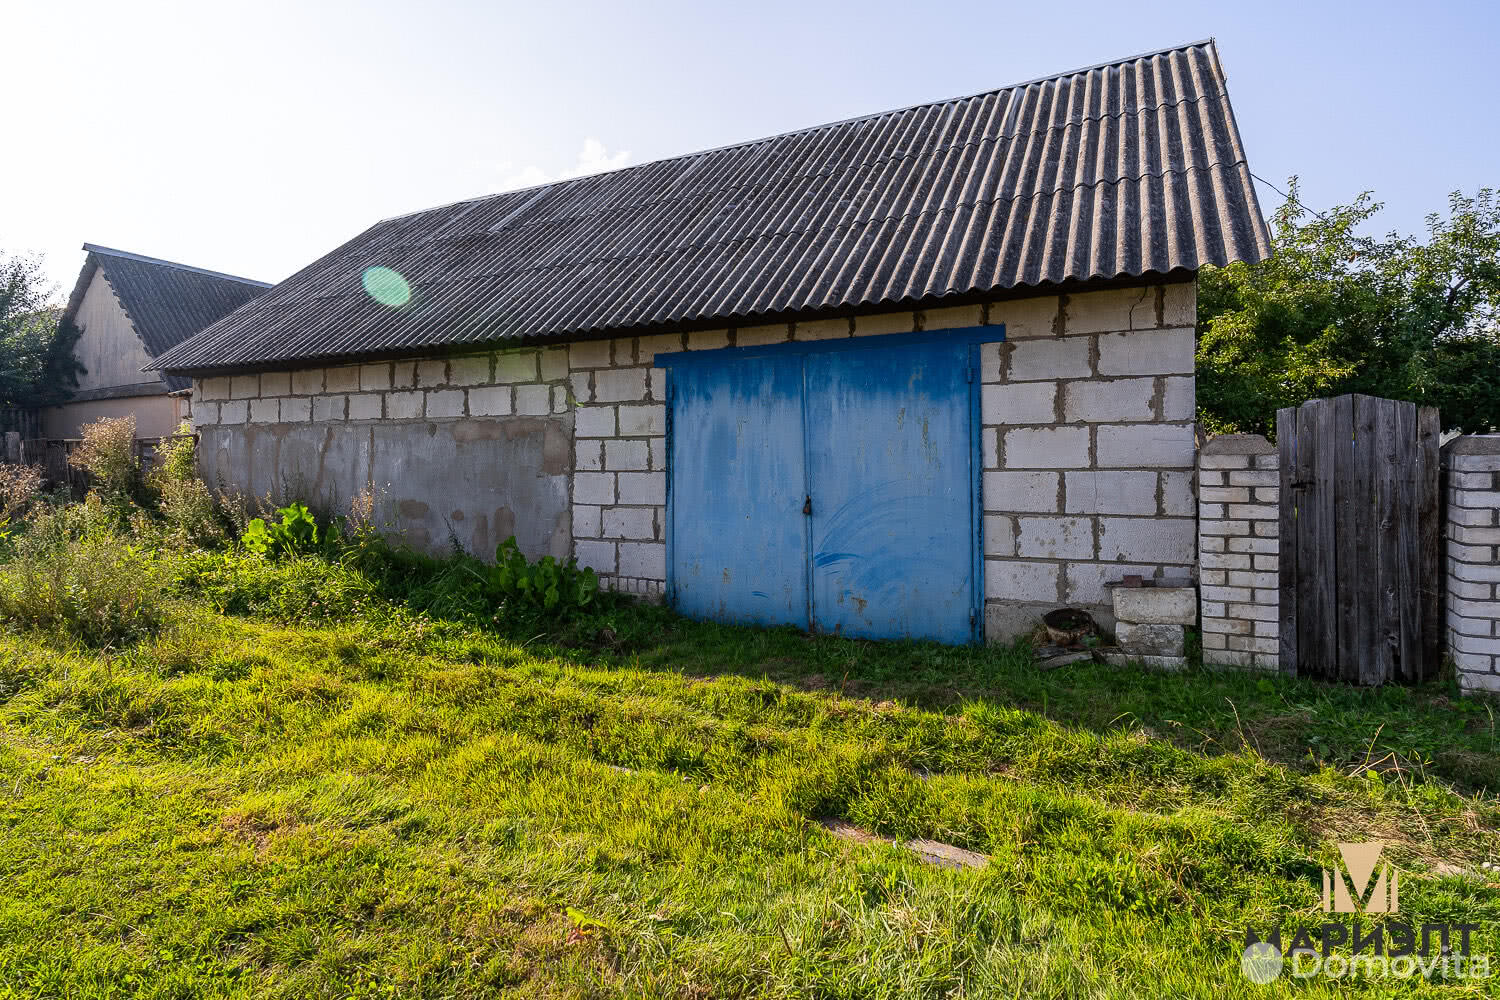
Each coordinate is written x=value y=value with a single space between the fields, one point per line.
x=37 y=366
x=1333 y=312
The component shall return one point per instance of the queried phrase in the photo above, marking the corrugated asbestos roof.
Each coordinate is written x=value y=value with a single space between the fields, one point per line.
x=166 y=302
x=1121 y=170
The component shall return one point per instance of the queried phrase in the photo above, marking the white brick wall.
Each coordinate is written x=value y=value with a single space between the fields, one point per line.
x=1472 y=467
x=1088 y=448
x=1086 y=415
x=1239 y=521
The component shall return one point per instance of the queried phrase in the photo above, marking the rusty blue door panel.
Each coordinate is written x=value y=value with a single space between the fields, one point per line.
x=889 y=470
x=738 y=535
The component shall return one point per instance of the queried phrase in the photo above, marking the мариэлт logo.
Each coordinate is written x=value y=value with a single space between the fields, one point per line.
x=1360 y=862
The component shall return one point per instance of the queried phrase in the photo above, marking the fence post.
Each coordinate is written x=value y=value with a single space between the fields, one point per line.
x=1239 y=524
x=13 y=447
x=1472 y=470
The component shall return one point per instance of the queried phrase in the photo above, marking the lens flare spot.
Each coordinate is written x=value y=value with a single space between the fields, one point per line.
x=386 y=286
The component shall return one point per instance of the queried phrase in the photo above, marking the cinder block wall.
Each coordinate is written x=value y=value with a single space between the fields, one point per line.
x=1239 y=495
x=1087 y=415
x=1471 y=467
x=471 y=449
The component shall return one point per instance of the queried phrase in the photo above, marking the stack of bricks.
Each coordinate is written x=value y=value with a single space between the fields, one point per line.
x=1239 y=521
x=1472 y=469
x=1088 y=438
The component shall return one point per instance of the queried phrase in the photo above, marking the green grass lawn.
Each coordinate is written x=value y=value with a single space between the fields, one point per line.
x=290 y=795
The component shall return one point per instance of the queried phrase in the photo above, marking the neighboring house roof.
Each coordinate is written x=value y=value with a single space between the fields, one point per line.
x=166 y=302
x=1122 y=170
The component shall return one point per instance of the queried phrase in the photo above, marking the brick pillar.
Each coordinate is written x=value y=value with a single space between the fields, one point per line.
x=1239 y=521
x=1472 y=468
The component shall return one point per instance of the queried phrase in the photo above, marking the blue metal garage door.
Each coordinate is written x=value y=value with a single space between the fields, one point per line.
x=829 y=487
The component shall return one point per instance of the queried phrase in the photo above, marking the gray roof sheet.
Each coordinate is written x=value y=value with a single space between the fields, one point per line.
x=1122 y=170
x=166 y=302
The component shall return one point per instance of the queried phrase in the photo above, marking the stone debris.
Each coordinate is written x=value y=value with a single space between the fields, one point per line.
x=931 y=852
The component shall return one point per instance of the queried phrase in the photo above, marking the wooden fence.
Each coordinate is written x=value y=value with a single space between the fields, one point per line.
x=51 y=454
x=1360 y=564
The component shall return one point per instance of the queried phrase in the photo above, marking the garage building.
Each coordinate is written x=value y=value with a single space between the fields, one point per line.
x=924 y=373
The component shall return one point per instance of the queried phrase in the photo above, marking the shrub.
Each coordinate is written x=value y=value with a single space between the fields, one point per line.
x=546 y=585
x=20 y=485
x=108 y=455
x=186 y=504
x=73 y=573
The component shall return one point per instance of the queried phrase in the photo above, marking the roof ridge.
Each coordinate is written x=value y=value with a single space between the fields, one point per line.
x=142 y=258
x=1209 y=42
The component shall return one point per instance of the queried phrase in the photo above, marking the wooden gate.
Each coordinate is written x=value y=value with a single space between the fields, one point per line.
x=1361 y=584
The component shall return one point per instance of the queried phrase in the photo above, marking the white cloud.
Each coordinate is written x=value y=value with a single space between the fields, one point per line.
x=593 y=158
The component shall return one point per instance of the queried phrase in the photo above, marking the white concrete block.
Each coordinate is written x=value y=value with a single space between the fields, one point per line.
x=629 y=522
x=999 y=535
x=1179 y=399
x=642 y=421
x=594 y=488
x=235 y=411
x=1147 y=352
x=264 y=411
x=594 y=421
x=1085 y=582
x=432 y=373
x=275 y=383
x=1051 y=358
x=218 y=388
x=244 y=386
x=1038 y=492
x=342 y=379
x=1113 y=400
x=644 y=559
x=1026 y=319
x=1009 y=579
x=597 y=556
x=307 y=382
x=1111 y=309
x=469 y=371
x=1142 y=539
x=586 y=521
x=616 y=385
x=1180 y=304
x=658 y=453
x=403 y=405
x=626 y=456
x=952 y=317
x=1047 y=447
x=707 y=340
x=490 y=401
x=989 y=447
x=760 y=336
x=883 y=323
x=445 y=403
x=1177 y=496
x=588 y=455
x=822 y=329
x=328 y=408
x=1111 y=492
x=647 y=348
x=364 y=406
x=1055 y=537
x=375 y=377
x=1139 y=446
x=1019 y=403
x=554 y=364
x=517 y=366
x=643 y=487
x=531 y=400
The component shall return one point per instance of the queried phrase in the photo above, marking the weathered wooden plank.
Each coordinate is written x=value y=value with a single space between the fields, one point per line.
x=1430 y=541
x=1366 y=556
x=1286 y=452
x=1324 y=497
x=1347 y=497
x=1309 y=646
x=1386 y=598
x=1404 y=473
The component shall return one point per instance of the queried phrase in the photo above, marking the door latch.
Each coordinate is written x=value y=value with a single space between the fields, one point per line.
x=807 y=506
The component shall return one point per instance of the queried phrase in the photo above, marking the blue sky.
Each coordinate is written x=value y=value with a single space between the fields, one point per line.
x=253 y=138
